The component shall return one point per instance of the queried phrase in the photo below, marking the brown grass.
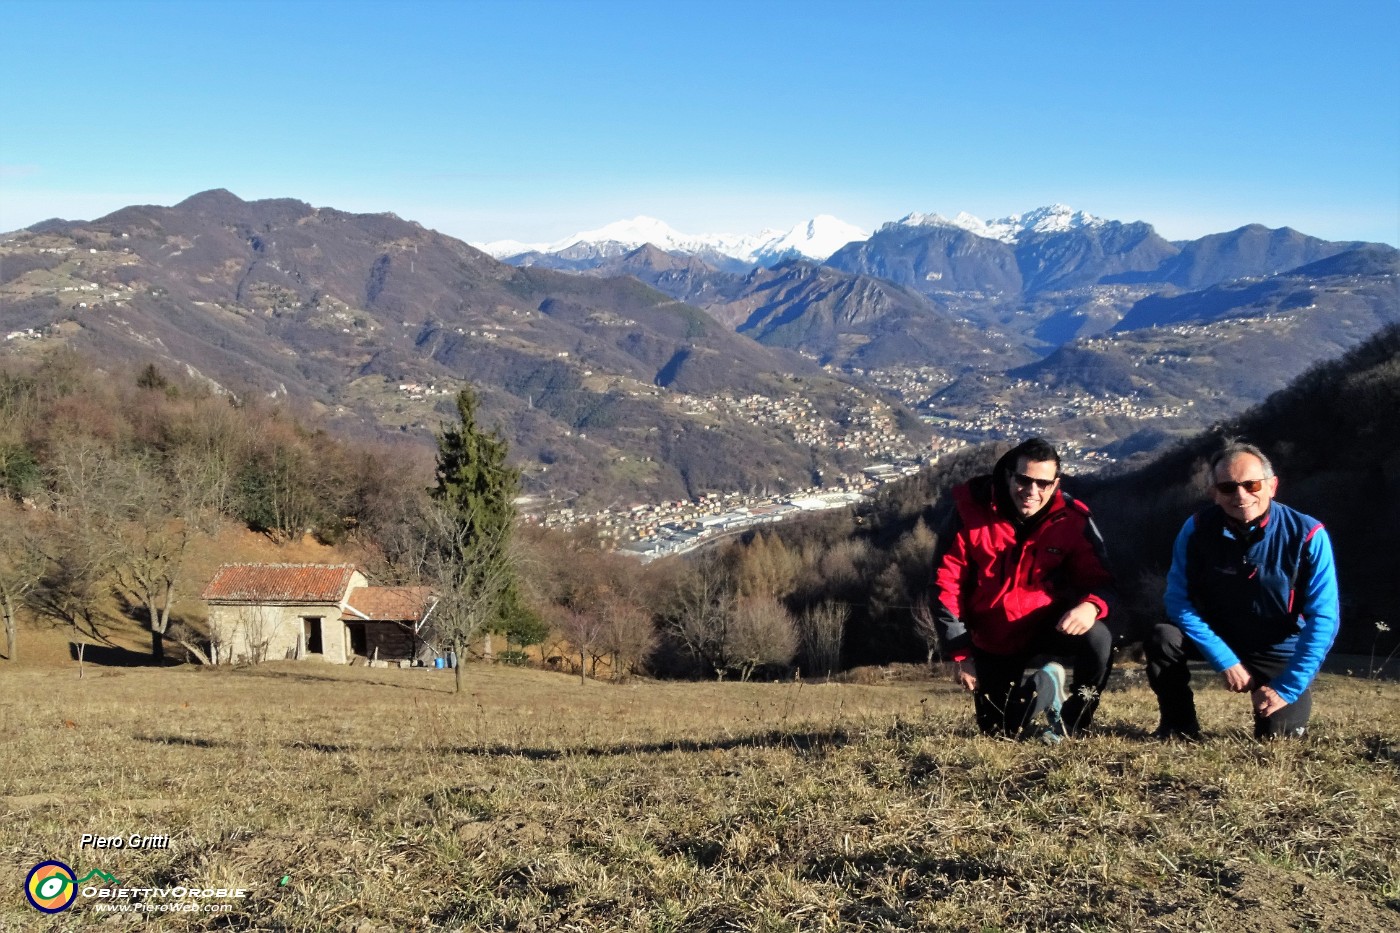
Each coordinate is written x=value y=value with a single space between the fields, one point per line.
x=533 y=803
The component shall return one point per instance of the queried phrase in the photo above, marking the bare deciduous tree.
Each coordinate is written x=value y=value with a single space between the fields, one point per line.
x=184 y=635
x=586 y=632
x=149 y=519
x=760 y=634
x=21 y=567
x=254 y=626
x=630 y=635
x=71 y=586
x=924 y=627
x=76 y=554
x=822 y=632
x=699 y=616
x=470 y=572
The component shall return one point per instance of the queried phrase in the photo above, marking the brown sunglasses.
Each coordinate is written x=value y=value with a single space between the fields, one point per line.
x=1248 y=485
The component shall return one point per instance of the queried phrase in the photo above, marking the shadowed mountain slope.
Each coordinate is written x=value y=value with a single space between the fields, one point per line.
x=371 y=320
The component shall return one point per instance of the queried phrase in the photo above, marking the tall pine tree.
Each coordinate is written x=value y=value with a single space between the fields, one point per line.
x=473 y=479
x=473 y=568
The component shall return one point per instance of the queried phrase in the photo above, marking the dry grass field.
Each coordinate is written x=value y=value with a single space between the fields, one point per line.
x=356 y=799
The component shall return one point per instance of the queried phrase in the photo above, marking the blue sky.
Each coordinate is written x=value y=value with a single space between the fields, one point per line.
x=537 y=118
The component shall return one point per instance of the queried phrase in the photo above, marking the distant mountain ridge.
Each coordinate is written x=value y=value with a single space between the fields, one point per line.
x=362 y=314
x=815 y=239
x=370 y=320
x=1056 y=218
x=1250 y=251
x=1049 y=249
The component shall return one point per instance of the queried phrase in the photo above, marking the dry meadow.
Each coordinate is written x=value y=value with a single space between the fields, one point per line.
x=357 y=799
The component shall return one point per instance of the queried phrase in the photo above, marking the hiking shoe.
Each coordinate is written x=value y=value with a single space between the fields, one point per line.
x=1051 y=679
x=1043 y=692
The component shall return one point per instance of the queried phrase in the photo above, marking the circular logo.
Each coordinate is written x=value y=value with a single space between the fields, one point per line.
x=51 y=887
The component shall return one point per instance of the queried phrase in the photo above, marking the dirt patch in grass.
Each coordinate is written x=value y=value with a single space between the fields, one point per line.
x=1265 y=897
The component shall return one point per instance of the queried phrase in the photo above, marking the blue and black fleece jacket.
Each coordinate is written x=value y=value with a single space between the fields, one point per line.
x=1269 y=587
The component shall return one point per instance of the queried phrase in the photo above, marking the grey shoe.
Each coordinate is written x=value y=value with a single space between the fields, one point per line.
x=1044 y=692
x=1051 y=679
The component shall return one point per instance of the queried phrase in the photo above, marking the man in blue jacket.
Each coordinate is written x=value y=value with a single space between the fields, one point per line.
x=1254 y=588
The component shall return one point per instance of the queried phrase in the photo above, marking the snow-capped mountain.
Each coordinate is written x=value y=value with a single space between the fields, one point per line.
x=1057 y=218
x=816 y=239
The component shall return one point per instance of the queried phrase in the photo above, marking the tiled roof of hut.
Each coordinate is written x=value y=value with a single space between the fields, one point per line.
x=279 y=583
x=390 y=603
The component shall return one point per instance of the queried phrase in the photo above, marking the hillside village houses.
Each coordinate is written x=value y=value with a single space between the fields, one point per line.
x=306 y=611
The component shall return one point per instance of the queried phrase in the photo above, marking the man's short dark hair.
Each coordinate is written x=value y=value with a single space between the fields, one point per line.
x=1035 y=450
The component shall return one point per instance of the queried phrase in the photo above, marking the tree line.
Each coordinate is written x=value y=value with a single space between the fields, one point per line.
x=1331 y=435
x=111 y=480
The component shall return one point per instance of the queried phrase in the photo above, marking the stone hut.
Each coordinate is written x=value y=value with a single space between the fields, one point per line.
x=323 y=611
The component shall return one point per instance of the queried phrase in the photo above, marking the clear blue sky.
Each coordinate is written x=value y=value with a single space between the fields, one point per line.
x=534 y=119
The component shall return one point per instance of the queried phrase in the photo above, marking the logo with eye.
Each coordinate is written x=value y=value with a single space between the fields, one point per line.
x=51 y=887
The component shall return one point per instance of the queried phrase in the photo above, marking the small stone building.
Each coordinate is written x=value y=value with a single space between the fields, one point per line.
x=272 y=612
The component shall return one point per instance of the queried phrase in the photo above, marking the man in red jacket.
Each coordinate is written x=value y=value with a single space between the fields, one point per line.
x=1020 y=572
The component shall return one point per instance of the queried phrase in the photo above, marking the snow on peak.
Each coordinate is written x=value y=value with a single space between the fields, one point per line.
x=500 y=249
x=1052 y=219
x=627 y=233
x=1055 y=218
x=815 y=239
x=640 y=229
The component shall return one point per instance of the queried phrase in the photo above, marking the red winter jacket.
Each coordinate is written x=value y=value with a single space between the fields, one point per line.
x=997 y=585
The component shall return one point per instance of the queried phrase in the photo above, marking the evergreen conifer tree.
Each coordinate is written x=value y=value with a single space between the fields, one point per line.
x=474 y=570
x=473 y=479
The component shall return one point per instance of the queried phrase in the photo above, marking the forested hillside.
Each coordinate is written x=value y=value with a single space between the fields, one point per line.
x=1331 y=434
x=111 y=480
x=116 y=483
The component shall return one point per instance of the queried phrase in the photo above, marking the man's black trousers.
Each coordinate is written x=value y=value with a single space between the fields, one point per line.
x=1001 y=710
x=1168 y=651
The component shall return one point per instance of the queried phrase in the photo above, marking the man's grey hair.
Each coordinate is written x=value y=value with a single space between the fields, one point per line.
x=1233 y=449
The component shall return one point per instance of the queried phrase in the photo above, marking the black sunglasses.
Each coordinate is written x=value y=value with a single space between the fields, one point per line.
x=1024 y=481
x=1248 y=485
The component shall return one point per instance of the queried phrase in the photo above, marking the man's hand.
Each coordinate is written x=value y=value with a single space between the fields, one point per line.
x=964 y=675
x=1266 y=702
x=1079 y=619
x=1238 y=679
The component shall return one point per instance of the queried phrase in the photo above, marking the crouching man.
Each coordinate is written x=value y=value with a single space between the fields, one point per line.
x=1254 y=589
x=1021 y=572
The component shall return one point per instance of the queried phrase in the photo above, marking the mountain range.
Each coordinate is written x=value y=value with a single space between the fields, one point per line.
x=605 y=387
x=1048 y=276
x=816 y=239
x=629 y=371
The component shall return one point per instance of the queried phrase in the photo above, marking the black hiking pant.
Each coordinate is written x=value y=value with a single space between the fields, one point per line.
x=1168 y=651
x=1002 y=709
